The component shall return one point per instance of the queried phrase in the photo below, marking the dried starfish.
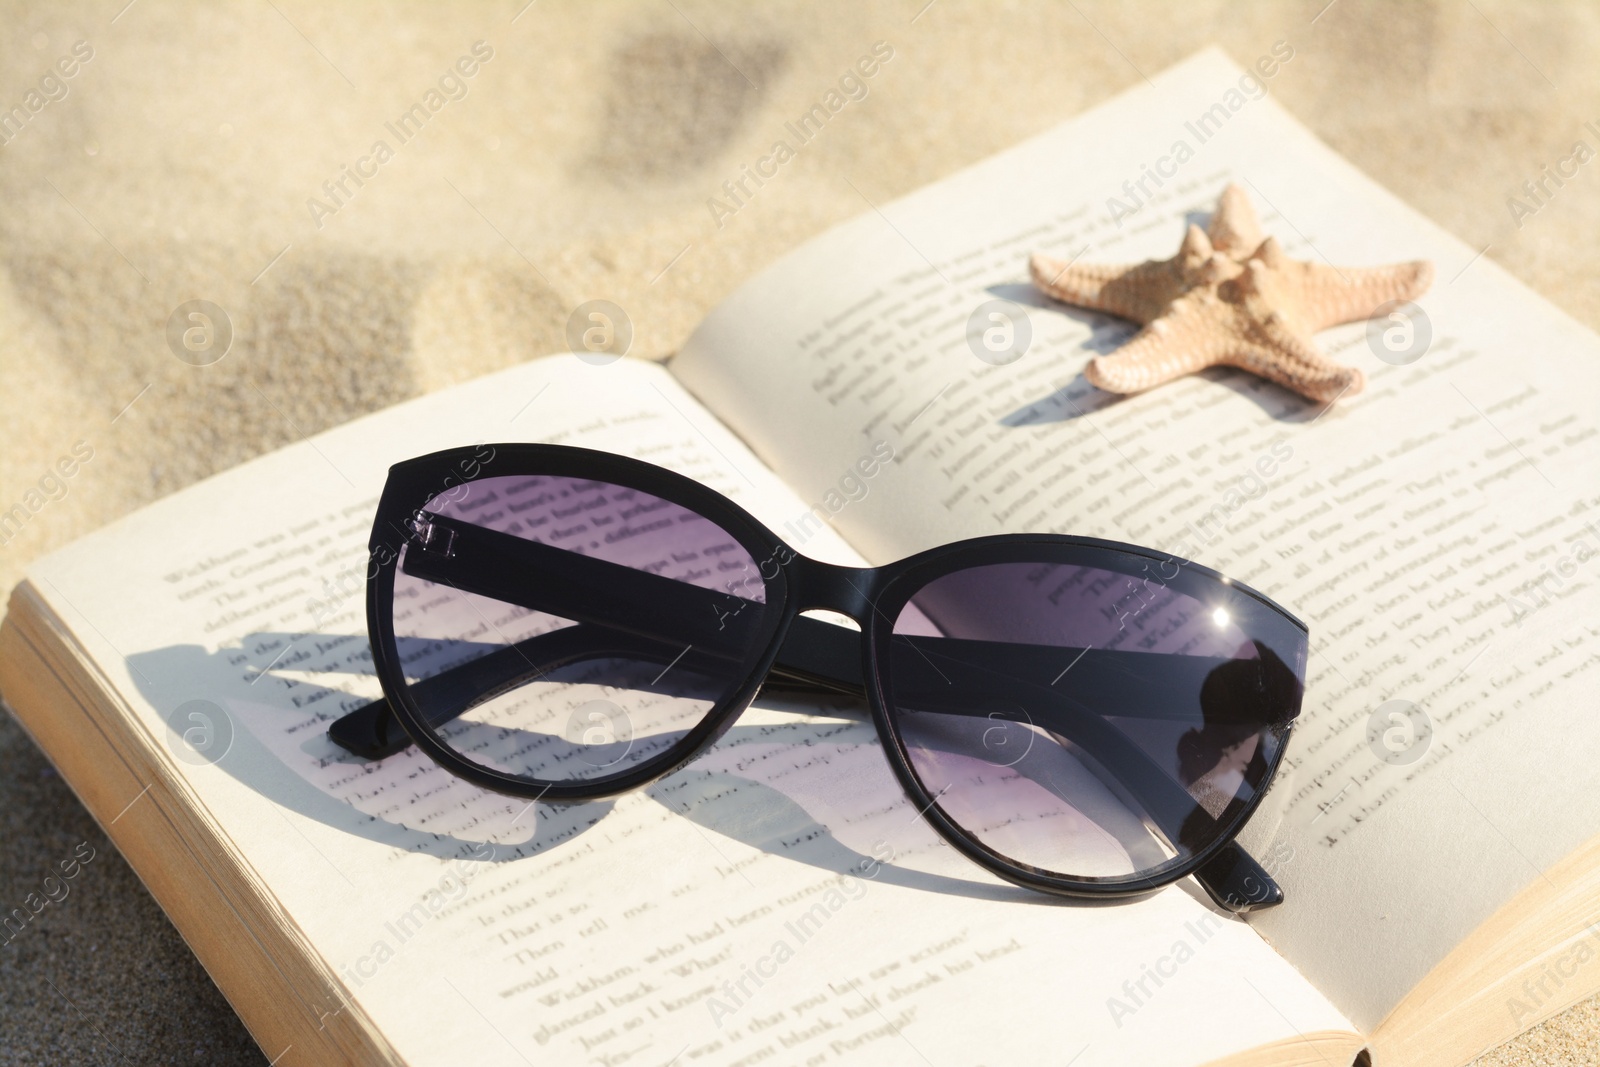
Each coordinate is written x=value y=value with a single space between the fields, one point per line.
x=1229 y=297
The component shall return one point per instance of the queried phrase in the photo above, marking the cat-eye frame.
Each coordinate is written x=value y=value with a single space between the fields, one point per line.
x=1078 y=716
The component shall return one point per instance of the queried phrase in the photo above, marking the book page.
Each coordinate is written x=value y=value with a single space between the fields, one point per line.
x=776 y=901
x=1437 y=531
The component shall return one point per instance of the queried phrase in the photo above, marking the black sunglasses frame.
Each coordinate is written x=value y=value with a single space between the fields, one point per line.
x=793 y=584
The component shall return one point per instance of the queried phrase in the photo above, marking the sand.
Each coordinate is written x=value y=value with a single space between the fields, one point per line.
x=577 y=166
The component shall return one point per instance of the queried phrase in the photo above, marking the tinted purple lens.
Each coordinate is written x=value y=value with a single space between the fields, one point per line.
x=1092 y=714
x=561 y=629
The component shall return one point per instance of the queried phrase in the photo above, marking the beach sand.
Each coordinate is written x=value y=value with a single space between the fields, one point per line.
x=578 y=166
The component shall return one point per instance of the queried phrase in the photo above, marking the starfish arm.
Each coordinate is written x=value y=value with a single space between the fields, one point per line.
x=1234 y=227
x=1140 y=293
x=1204 y=333
x=1280 y=354
x=1327 y=296
x=1190 y=337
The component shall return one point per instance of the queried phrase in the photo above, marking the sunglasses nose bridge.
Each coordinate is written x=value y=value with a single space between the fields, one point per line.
x=828 y=586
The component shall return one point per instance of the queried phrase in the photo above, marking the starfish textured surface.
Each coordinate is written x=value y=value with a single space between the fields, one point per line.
x=1230 y=297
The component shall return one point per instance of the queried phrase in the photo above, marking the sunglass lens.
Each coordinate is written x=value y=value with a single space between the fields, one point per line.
x=561 y=629
x=1091 y=713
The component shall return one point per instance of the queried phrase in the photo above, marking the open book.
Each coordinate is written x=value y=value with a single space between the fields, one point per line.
x=182 y=665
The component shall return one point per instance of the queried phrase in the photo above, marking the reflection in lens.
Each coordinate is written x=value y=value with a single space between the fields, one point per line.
x=1078 y=715
x=564 y=629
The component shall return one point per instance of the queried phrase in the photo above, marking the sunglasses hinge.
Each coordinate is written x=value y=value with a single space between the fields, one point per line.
x=432 y=537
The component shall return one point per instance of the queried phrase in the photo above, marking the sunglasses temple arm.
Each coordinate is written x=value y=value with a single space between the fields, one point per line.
x=372 y=732
x=814 y=650
x=1235 y=881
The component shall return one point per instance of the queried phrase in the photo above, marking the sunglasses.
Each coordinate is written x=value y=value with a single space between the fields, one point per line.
x=1081 y=717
